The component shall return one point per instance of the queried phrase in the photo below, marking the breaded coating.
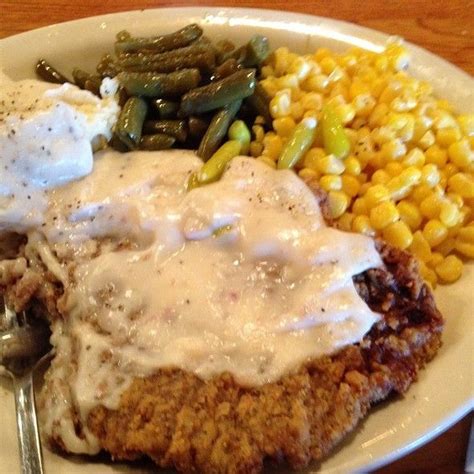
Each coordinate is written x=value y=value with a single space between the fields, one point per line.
x=217 y=426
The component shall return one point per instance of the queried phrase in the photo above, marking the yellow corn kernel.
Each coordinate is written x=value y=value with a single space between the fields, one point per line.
x=270 y=87
x=410 y=214
x=427 y=140
x=375 y=195
x=447 y=136
x=300 y=67
x=272 y=145
x=284 y=126
x=383 y=214
x=467 y=124
x=394 y=169
x=331 y=182
x=363 y=104
x=352 y=165
x=466 y=234
x=414 y=157
x=456 y=199
x=312 y=101
x=379 y=113
x=449 y=269
x=398 y=234
x=312 y=158
x=428 y=274
x=462 y=184
x=393 y=150
x=420 y=192
x=345 y=221
x=420 y=247
x=346 y=113
x=256 y=149
x=308 y=173
x=338 y=203
x=442 y=119
x=436 y=258
x=350 y=185
x=434 y=232
x=430 y=207
x=380 y=177
x=361 y=224
x=430 y=175
x=267 y=161
x=327 y=64
x=296 y=111
x=450 y=169
x=288 y=81
x=280 y=105
x=390 y=92
x=436 y=155
x=460 y=153
x=411 y=176
x=258 y=132
x=357 y=88
x=330 y=164
x=449 y=214
x=465 y=248
x=383 y=134
x=359 y=207
x=446 y=247
x=422 y=126
x=316 y=83
x=363 y=187
x=267 y=71
x=398 y=188
x=363 y=177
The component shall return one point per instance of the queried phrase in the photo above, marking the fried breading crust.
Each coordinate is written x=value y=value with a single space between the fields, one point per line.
x=217 y=426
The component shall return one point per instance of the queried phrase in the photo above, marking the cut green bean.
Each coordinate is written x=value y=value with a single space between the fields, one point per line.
x=259 y=102
x=225 y=69
x=212 y=170
x=130 y=60
x=80 y=77
x=223 y=50
x=107 y=66
x=256 y=51
x=159 y=141
x=123 y=35
x=48 y=73
x=178 y=39
x=298 y=143
x=166 y=109
x=218 y=94
x=205 y=62
x=93 y=85
x=149 y=84
x=240 y=132
x=130 y=122
x=175 y=128
x=197 y=126
x=335 y=139
x=217 y=129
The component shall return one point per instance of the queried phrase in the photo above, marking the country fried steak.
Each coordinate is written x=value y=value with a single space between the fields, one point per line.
x=216 y=426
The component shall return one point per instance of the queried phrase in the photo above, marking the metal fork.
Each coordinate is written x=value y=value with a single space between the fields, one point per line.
x=22 y=344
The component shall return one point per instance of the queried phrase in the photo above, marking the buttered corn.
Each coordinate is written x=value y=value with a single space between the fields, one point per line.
x=396 y=162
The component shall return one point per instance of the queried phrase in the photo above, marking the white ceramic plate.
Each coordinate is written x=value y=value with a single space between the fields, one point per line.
x=444 y=392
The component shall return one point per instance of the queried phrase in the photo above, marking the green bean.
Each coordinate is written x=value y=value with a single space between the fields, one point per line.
x=256 y=51
x=212 y=170
x=117 y=144
x=166 y=108
x=205 y=62
x=239 y=131
x=223 y=50
x=298 y=143
x=217 y=94
x=93 y=85
x=217 y=130
x=335 y=138
x=48 y=73
x=130 y=122
x=129 y=60
x=123 y=35
x=159 y=141
x=179 y=38
x=259 y=101
x=175 y=128
x=107 y=66
x=225 y=69
x=80 y=77
x=197 y=126
x=149 y=84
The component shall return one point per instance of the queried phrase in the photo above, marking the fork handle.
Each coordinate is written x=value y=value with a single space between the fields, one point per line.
x=31 y=458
